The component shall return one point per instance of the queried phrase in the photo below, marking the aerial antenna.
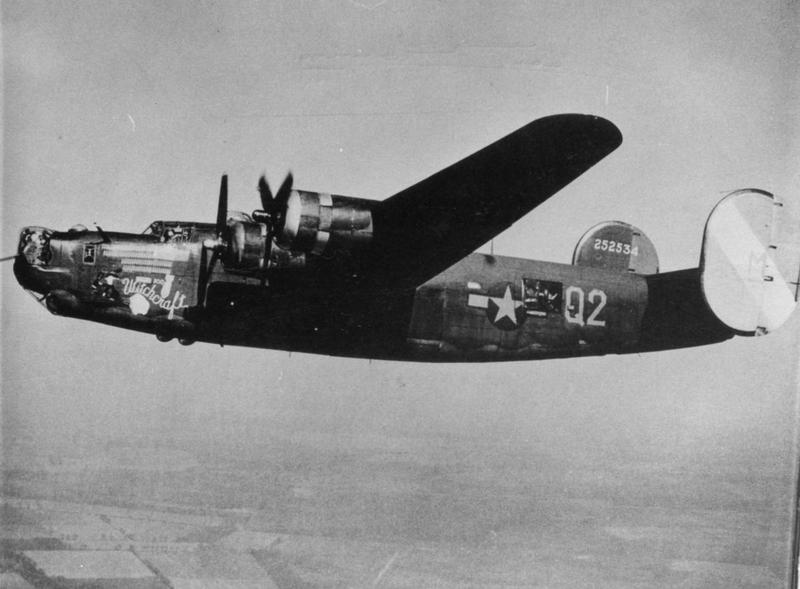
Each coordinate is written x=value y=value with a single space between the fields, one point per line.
x=104 y=238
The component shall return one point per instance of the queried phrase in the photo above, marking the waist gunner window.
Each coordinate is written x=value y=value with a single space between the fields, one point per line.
x=541 y=296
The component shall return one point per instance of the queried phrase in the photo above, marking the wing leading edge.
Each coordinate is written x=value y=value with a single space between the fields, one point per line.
x=431 y=225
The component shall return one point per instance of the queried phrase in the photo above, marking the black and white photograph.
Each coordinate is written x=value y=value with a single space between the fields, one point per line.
x=400 y=294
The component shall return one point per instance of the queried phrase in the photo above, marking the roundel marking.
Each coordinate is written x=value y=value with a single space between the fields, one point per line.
x=503 y=310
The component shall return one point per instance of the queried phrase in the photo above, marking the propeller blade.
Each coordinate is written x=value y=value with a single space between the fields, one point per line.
x=222 y=207
x=282 y=196
x=202 y=277
x=237 y=239
x=278 y=210
x=265 y=193
x=214 y=259
x=218 y=245
x=206 y=270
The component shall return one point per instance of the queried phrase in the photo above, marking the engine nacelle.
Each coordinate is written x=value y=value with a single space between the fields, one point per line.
x=320 y=223
x=284 y=258
x=247 y=247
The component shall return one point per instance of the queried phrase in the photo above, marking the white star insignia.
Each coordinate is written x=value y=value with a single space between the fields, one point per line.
x=506 y=306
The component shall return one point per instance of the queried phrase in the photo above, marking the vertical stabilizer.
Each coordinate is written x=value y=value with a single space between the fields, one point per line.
x=750 y=262
x=615 y=245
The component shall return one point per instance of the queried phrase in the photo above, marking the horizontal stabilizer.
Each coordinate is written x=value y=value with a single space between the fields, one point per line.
x=750 y=262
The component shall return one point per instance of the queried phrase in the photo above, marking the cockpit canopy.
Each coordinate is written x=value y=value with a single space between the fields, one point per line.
x=182 y=230
x=174 y=230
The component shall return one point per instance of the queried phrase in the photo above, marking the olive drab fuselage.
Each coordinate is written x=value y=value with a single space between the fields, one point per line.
x=484 y=308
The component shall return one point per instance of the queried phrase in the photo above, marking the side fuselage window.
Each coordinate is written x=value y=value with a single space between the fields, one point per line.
x=89 y=253
x=542 y=296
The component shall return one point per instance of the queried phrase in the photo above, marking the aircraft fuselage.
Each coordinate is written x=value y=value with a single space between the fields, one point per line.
x=484 y=308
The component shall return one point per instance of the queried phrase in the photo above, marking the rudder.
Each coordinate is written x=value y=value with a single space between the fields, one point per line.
x=750 y=262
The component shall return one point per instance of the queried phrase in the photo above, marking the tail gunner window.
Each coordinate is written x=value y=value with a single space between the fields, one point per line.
x=542 y=296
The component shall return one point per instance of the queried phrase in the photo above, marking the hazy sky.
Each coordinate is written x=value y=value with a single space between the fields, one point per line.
x=122 y=113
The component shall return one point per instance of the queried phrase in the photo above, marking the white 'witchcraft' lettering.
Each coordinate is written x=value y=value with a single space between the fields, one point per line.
x=159 y=297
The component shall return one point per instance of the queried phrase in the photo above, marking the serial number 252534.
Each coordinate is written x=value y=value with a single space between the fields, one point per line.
x=609 y=245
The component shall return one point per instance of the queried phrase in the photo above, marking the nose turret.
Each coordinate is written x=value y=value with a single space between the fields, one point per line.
x=34 y=245
x=34 y=255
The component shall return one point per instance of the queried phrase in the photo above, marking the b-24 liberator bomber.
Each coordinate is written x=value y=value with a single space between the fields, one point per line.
x=397 y=279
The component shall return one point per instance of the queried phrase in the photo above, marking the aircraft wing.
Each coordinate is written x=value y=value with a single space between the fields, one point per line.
x=431 y=225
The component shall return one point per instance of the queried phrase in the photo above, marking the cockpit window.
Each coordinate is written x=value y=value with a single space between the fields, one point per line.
x=34 y=244
x=170 y=230
x=155 y=228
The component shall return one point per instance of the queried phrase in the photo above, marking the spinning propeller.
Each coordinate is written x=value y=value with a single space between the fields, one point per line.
x=274 y=207
x=229 y=241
